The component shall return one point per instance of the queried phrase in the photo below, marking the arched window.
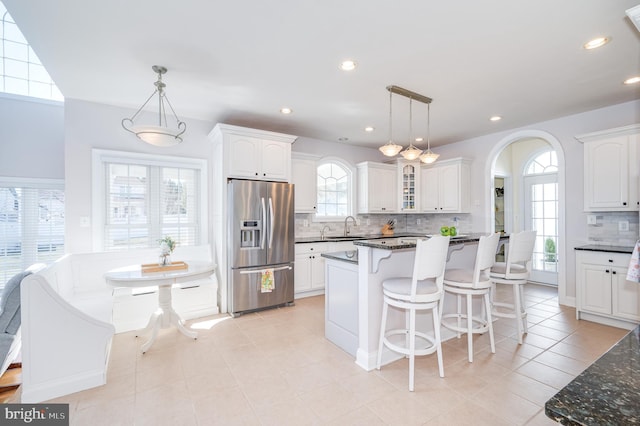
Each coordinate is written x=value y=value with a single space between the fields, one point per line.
x=335 y=181
x=21 y=72
x=546 y=162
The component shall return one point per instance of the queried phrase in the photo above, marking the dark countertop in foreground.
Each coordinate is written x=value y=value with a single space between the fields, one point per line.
x=350 y=256
x=399 y=242
x=608 y=249
x=607 y=392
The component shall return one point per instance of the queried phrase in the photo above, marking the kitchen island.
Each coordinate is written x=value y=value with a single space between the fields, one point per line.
x=353 y=299
x=607 y=392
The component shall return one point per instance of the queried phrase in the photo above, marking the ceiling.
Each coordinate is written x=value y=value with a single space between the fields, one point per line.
x=240 y=61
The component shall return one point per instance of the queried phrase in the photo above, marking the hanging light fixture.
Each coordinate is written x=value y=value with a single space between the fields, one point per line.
x=160 y=134
x=411 y=153
x=390 y=149
x=429 y=156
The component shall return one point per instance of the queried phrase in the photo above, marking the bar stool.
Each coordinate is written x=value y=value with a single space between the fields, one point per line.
x=422 y=291
x=515 y=272
x=469 y=283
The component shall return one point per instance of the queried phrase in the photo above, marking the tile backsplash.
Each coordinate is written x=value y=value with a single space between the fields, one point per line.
x=606 y=229
x=373 y=223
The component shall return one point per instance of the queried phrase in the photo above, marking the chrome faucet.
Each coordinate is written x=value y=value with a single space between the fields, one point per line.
x=346 y=226
x=322 y=232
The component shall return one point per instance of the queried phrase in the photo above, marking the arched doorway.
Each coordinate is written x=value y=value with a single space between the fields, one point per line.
x=491 y=172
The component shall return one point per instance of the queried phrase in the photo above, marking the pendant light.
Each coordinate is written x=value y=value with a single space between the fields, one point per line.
x=411 y=153
x=160 y=134
x=390 y=149
x=429 y=156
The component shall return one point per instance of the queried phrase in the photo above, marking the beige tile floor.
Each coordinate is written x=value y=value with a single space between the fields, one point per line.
x=276 y=368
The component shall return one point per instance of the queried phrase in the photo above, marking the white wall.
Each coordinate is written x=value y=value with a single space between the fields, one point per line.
x=90 y=125
x=31 y=138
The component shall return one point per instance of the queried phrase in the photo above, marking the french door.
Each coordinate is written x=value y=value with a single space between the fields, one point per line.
x=541 y=215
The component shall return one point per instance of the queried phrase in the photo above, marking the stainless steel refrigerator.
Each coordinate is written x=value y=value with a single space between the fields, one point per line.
x=261 y=245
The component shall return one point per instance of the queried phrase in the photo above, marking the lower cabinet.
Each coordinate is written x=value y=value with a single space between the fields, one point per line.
x=602 y=290
x=309 y=270
x=309 y=266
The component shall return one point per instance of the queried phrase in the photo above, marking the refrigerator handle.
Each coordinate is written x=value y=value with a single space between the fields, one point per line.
x=271 y=220
x=264 y=223
x=260 y=271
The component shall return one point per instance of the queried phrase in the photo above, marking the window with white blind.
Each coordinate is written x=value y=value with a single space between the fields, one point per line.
x=31 y=224
x=143 y=198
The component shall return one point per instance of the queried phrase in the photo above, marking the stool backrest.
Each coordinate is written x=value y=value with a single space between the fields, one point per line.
x=485 y=256
x=520 y=250
x=430 y=261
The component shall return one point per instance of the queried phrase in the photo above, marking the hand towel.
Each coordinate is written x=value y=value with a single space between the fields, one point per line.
x=633 y=274
x=267 y=283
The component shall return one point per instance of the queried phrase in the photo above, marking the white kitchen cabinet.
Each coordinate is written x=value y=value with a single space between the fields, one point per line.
x=444 y=187
x=377 y=188
x=408 y=186
x=254 y=154
x=303 y=176
x=309 y=268
x=602 y=288
x=611 y=169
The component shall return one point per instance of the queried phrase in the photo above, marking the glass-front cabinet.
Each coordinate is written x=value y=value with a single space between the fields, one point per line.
x=408 y=174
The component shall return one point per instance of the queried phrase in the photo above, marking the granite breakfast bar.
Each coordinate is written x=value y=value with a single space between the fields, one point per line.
x=354 y=311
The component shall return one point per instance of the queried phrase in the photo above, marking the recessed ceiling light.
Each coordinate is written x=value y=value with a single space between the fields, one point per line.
x=286 y=110
x=419 y=139
x=495 y=118
x=632 y=80
x=348 y=65
x=369 y=129
x=596 y=42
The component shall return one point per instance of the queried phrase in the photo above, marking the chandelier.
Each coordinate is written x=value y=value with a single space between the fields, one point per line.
x=160 y=134
x=391 y=149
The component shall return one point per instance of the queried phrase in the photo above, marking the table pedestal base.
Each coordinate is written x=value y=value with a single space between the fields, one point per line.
x=164 y=317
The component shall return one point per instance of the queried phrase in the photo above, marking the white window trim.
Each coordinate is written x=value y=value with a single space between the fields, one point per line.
x=101 y=156
x=352 y=189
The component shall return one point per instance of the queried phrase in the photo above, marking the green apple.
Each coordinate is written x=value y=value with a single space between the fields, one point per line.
x=444 y=231
x=453 y=231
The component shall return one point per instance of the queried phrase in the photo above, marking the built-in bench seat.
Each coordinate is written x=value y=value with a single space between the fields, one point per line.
x=70 y=314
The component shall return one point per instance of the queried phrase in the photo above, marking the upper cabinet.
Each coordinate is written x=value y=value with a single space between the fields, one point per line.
x=408 y=186
x=444 y=187
x=253 y=154
x=303 y=176
x=377 y=188
x=611 y=169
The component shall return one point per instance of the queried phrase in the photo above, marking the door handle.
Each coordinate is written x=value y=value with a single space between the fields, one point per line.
x=264 y=223
x=271 y=220
x=260 y=271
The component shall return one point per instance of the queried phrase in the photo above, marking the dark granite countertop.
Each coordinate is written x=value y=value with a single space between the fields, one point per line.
x=607 y=249
x=350 y=256
x=399 y=242
x=607 y=392
x=329 y=239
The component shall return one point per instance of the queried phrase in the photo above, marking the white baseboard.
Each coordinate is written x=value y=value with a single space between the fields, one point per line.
x=63 y=386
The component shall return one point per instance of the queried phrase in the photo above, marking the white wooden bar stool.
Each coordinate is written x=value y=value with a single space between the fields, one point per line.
x=469 y=283
x=422 y=291
x=515 y=272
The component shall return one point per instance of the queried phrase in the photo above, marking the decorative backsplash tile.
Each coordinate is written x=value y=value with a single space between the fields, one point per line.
x=606 y=230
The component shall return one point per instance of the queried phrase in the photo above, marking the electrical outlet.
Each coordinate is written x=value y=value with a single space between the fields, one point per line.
x=368 y=222
x=623 y=225
x=591 y=219
x=85 y=222
x=418 y=221
x=305 y=223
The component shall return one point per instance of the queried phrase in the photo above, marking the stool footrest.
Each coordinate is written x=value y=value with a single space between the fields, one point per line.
x=483 y=326
x=419 y=350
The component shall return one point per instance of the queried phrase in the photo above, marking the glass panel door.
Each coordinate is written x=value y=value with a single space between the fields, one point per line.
x=541 y=215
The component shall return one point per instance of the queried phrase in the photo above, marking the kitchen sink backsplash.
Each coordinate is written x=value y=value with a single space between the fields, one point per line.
x=429 y=224
x=606 y=232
